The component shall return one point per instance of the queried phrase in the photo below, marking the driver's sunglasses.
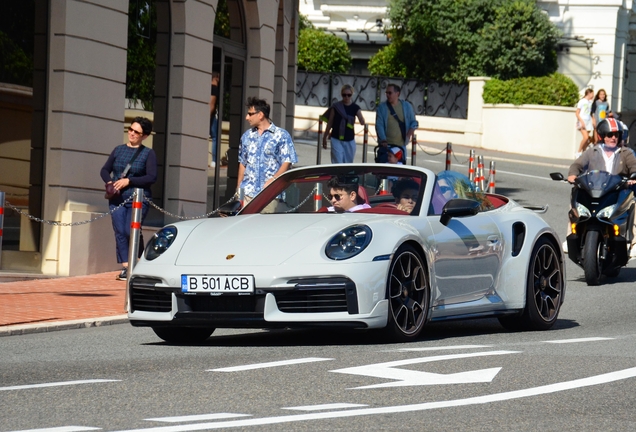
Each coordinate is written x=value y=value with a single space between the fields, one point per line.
x=408 y=197
x=338 y=197
x=613 y=134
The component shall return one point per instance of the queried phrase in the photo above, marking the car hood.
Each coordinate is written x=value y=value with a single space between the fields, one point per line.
x=262 y=240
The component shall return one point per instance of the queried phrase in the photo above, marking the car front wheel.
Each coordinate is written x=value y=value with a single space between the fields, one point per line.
x=408 y=293
x=183 y=335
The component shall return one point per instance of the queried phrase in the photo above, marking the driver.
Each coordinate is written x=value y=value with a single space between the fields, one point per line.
x=607 y=156
x=344 y=196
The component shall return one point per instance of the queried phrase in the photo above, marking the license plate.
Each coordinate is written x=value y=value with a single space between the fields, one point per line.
x=226 y=284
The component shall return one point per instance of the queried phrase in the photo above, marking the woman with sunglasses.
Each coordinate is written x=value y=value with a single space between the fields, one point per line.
x=129 y=166
x=342 y=118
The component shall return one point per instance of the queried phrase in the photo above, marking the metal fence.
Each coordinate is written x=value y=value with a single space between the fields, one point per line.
x=431 y=99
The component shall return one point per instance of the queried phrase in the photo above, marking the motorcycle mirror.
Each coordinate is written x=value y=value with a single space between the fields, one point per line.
x=632 y=176
x=556 y=176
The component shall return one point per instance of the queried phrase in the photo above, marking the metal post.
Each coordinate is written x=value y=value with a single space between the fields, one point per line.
x=471 y=166
x=241 y=196
x=414 y=150
x=319 y=146
x=480 y=173
x=135 y=230
x=1 y=223
x=365 y=143
x=318 y=197
x=449 y=150
x=491 y=178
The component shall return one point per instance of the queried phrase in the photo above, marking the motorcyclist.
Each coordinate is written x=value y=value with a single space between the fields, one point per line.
x=607 y=156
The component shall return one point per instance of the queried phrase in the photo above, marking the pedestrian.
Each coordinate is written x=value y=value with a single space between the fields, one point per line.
x=340 y=126
x=584 y=120
x=394 y=122
x=214 y=118
x=266 y=151
x=600 y=110
x=129 y=166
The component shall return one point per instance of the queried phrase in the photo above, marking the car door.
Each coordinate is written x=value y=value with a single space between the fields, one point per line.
x=467 y=256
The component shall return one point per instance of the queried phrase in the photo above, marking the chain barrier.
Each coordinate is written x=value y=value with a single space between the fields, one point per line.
x=166 y=212
x=311 y=195
x=110 y=212
x=63 y=224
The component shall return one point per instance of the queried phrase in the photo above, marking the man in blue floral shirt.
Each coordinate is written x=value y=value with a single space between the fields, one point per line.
x=266 y=150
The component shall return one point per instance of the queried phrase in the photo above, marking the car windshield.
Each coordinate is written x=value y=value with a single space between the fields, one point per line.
x=369 y=188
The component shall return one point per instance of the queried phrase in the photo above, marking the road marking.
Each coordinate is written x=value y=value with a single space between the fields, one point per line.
x=56 y=384
x=62 y=429
x=389 y=410
x=182 y=419
x=590 y=339
x=416 y=378
x=325 y=407
x=456 y=347
x=270 y=364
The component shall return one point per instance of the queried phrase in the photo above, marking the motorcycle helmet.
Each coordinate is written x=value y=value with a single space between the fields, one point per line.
x=608 y=125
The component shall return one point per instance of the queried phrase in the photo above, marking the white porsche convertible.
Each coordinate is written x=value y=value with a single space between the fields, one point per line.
x=368 y=246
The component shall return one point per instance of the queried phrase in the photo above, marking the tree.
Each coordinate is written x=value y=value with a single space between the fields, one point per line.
x=450 y=40
x=142 y=48
x=319 y=51
x=386 y=63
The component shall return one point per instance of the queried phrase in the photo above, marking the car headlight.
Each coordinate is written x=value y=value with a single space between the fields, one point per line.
x=582 y=210
x=160 y=242
x=606 y=212
x=349 y=242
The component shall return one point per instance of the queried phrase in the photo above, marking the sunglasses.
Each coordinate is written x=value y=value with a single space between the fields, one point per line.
x=613 y=134
x=408 y=197
x=347 y=94
x=134 y=131
x=252 y=113
x=338 y=197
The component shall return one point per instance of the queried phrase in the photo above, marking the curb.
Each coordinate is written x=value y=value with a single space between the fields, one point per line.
x=14 y=330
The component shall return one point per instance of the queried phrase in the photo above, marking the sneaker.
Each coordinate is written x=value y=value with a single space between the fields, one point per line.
x=577 y=155
x=212 y=164
x=565 y=246
x=123 y=275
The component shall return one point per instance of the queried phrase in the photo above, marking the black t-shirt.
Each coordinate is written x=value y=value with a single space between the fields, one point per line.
x=349 y=134
x=214 y=91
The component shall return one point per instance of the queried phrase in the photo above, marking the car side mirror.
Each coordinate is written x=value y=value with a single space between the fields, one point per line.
x=228 y=209
x=556 y=176
x=458 y=208
x=632 y=176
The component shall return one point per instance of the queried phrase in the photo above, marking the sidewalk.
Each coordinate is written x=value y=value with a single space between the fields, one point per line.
x=43 y=305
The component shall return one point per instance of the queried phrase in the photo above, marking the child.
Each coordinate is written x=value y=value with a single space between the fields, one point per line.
x=395 y=156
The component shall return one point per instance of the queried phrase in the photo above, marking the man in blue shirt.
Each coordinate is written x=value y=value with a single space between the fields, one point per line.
x=266 y=150
x=395 y=120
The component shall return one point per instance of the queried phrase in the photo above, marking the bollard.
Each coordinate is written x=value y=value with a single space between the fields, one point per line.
x=413 y=149
x=241 y=196
x=480 y=179
x=318 y=197
x=471 y=166
x=384 y=190
x=319 y=146
x=365 y=143
x=449 y=150
x=1 y=223
x=491 y=178
x=135 y=230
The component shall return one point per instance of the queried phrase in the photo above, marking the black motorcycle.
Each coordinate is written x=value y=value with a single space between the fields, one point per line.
x=601 y=217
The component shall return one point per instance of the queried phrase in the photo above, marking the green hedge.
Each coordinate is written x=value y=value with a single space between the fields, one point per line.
x=555 y=89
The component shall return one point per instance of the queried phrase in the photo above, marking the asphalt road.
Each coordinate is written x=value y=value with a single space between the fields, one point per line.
x=468 y=375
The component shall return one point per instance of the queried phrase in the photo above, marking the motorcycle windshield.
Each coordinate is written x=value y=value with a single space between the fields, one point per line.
x=597 y=183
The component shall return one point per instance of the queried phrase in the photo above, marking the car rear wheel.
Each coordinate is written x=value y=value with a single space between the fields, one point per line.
x=408 y=293
x=544 y=290
x=183 y=335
